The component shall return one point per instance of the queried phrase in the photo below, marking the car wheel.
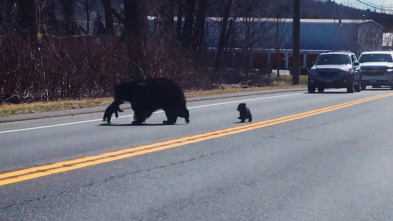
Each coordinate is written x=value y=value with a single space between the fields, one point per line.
x=350 y=89
x=321 y=89
x=358 y=87
x=311 y=88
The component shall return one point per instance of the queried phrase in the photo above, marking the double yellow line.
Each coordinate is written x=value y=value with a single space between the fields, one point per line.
x=45 y=170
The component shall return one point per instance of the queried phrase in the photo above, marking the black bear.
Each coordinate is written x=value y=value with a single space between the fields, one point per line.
x=245 y=113
x=147 y=96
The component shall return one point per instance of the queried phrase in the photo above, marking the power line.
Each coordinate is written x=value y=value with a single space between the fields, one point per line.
x=369 y=4
x=375 y=5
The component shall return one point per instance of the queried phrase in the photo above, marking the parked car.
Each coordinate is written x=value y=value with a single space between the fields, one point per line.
x=376 y=68
x=335 y=70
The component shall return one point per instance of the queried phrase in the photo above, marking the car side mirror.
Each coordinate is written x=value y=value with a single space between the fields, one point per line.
x=356 y=63
x=310 y=64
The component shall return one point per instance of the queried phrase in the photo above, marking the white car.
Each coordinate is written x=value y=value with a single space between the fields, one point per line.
x=376 y=68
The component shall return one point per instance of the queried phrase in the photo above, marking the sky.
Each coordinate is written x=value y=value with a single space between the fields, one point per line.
x=386 y=4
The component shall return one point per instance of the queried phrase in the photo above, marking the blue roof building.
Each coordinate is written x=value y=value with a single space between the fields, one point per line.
x=315 y=34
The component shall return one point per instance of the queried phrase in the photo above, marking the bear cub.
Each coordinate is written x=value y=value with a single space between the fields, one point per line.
x=113 y=108
x=245 y=113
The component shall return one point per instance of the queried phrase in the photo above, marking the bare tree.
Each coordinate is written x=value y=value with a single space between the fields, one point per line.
x=223 y=35
x=388 y=40
x=179 y=22
x=199 y=29
x=373 y=36
x=356 y=41
x=86 y=4
x=280 y=29
x=135 y=34
x=50 y=13
x=135 y=19
x=108 y=10
x=68 y=13
x=7 y=16
x=3 y=6
x=364 y=37
x=188 y=23
x=25 y=16
x=252 y=29
x=165 y=23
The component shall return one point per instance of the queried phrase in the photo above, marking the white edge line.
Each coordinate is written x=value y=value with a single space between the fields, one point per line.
x=194 y=107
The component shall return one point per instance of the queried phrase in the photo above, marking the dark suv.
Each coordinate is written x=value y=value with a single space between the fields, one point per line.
x=334 y=70
x=376 y=68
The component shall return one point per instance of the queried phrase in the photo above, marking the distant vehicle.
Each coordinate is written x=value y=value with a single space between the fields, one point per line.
x=335 y=70
x=376 y=68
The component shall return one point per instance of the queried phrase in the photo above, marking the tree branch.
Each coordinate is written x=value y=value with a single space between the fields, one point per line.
x=118 y=16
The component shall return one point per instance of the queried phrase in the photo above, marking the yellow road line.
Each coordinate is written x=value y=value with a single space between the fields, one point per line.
x=45 y=170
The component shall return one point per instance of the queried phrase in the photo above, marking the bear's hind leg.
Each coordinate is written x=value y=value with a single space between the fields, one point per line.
x=184 y=113
x=138 y=118
x=172 y=117
x=242 y=118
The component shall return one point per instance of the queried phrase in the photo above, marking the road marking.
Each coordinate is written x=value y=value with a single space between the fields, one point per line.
x=194 y=107
x=60 y=167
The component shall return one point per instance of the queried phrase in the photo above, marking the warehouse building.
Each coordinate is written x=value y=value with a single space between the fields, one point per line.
x=264 y=37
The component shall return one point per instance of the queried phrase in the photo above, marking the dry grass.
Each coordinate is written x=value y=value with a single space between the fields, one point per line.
x=230 y=90
x=38 y=107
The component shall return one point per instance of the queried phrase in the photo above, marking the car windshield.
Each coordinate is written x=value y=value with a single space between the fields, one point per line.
x=326 y=59
x=375 y=58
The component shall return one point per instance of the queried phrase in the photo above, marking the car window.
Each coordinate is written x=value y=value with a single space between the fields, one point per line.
x=375 y=58
x=326 y=59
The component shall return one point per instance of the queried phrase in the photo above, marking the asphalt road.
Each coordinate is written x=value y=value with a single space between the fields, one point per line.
x=331 y=161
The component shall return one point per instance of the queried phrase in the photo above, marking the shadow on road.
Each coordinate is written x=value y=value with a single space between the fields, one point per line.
x=134 y=125
x=328 y=92
x=378 y=89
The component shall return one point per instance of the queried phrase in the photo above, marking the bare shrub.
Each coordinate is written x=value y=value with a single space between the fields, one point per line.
x=70 y=67
x=155 y=57
x=76 y=67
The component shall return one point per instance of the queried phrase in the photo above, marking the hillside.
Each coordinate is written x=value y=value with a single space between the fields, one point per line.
x=330 y=9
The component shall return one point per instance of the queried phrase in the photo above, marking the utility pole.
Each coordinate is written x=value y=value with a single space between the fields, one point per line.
x=296 y=41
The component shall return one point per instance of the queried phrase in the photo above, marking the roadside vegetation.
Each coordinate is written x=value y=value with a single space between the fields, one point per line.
x=61 y=55
x=75 y=50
